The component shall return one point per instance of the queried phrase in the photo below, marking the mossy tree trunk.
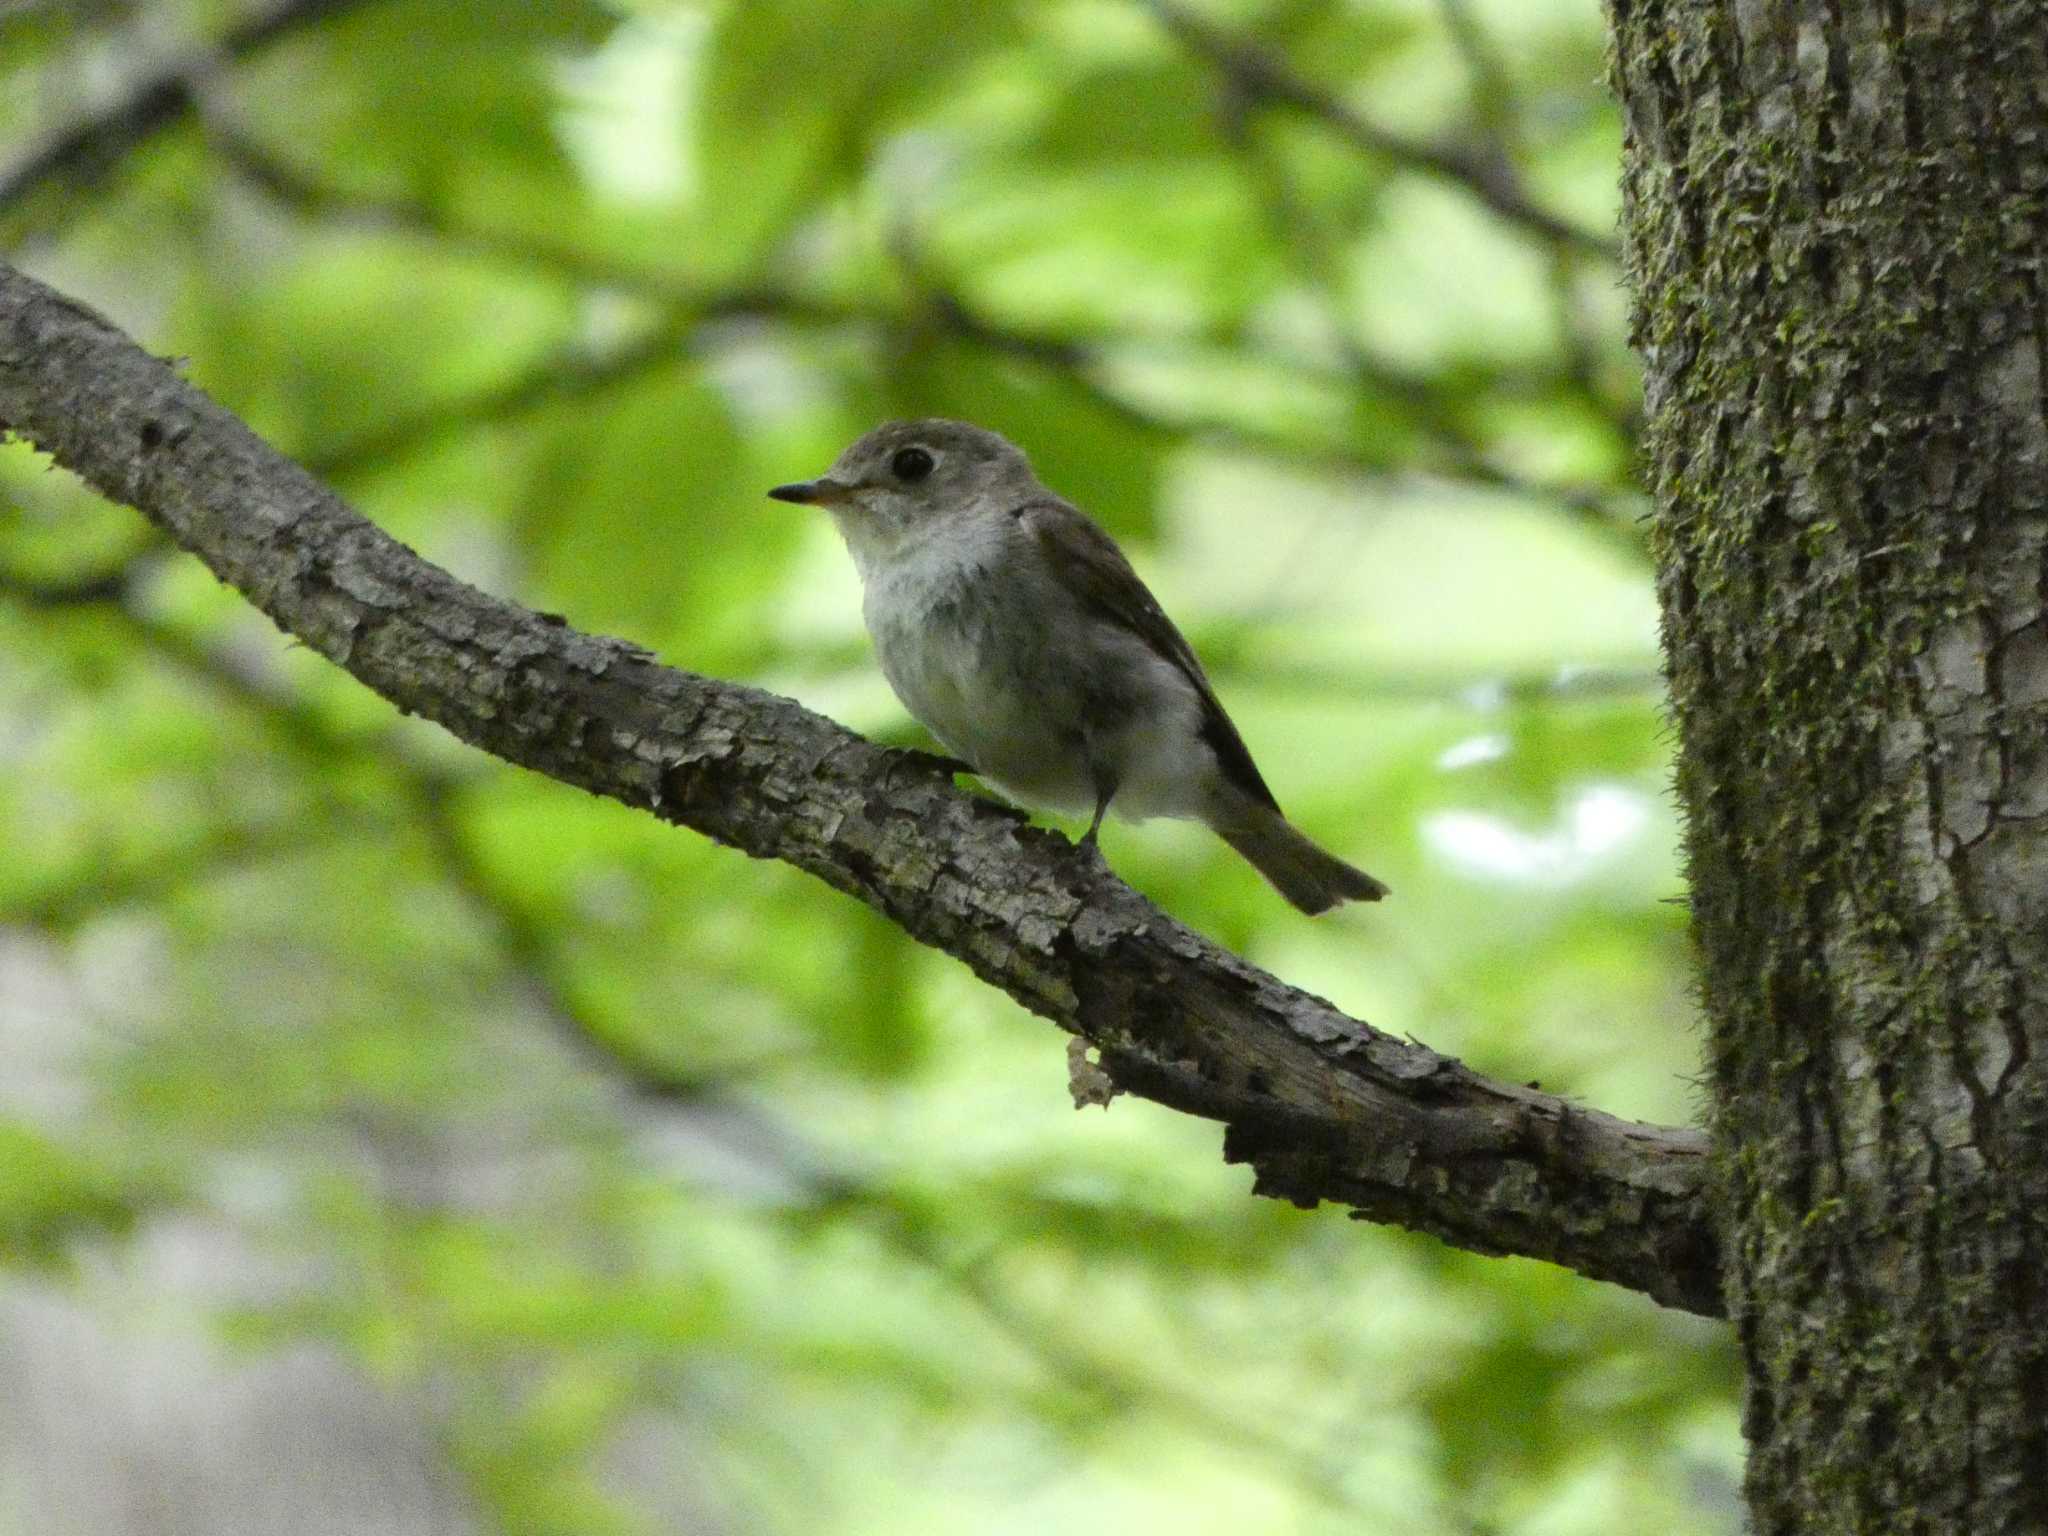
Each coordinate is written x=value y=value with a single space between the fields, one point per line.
x=1835 y=219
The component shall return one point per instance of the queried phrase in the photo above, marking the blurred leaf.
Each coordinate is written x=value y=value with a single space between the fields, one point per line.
x=796 y=94
x=1157 y=247
x=644 y=515
x=53 y=1196
x=1160 y=109
x=404 y=80
x=316 y=353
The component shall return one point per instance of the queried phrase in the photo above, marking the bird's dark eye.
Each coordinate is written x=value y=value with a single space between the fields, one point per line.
x=910 y=464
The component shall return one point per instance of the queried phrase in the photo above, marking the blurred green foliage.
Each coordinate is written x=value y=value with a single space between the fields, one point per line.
x=620 y=1153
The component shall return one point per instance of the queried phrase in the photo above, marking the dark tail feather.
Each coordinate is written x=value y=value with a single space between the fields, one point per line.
x=1308 y=877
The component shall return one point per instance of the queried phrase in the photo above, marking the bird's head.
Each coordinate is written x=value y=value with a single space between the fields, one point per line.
x=905 y=477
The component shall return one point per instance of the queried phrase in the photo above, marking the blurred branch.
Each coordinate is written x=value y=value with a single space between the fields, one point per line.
x=706 y=1099
x=309 y=195
x=575 y=372
x=758 y=1136
x=1320 y=1106
x=1579 y=335
x=86 y=151
x=1314 y=257
x=1258 y=73
x=111 y=591
x=1608 y=515
x=1480 y=692
x=1230 y=655
x=532 y=961
x=428 y=791
x=531 y=957
x=567 y=374
x=1318 y=265
x=1413 y=396
x=60 y=906
x=77 y=589
x=1497 y=111
x=1493 y=93
x=1051 y=1340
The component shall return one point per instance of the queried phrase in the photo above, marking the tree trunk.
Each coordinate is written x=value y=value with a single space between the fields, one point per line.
x=1835 y=220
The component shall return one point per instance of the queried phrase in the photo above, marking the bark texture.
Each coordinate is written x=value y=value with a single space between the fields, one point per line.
x=1835 y=219
x=1320 y=1105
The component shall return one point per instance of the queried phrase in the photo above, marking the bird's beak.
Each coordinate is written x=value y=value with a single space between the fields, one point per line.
x=822 y=492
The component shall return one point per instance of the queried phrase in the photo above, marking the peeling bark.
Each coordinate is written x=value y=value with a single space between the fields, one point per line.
x=1837 y=216
x=1321 y=1106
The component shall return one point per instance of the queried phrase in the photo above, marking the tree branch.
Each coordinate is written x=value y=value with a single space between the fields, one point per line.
x=707 y=1102
x=1319 y=1105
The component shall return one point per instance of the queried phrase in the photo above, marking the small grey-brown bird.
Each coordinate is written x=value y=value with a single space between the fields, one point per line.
x=1017 y=633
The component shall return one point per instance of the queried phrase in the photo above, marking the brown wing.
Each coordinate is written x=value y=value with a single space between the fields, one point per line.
x=1089 y=563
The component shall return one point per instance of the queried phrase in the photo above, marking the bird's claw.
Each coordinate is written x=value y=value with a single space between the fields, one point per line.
x=915 y=757
x=938 y=762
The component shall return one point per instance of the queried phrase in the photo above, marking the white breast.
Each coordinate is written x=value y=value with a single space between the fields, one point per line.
x=994 y=657
x=924 y=605
x=964 y=651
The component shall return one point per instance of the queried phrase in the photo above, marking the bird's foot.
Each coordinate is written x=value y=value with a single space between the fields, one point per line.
x=1088 y=846
x=938 y=762
x=913 y=759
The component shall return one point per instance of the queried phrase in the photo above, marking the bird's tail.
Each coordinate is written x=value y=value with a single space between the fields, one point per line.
x=1308 y=877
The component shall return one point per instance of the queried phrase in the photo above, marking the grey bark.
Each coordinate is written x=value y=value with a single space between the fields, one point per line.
x=1835 y=220
x=1321 y=1106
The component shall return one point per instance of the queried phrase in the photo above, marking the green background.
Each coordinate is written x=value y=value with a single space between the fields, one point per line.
x=639 y=1187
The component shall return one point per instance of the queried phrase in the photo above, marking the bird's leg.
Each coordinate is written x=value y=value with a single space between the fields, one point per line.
x=1105 y=791
x=942 y=761
x=914 y=756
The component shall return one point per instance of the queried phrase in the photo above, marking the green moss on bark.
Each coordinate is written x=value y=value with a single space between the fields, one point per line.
x=1835 y=221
